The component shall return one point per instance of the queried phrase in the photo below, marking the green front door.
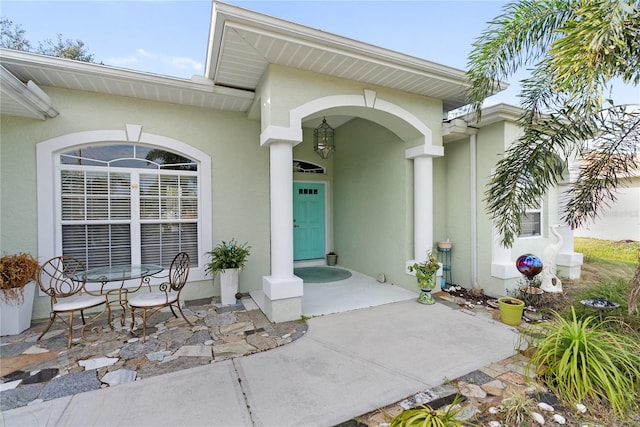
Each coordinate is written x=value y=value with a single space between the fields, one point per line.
x=308 y=221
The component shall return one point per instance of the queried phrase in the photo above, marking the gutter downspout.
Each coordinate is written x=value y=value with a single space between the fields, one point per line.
x=474 y=209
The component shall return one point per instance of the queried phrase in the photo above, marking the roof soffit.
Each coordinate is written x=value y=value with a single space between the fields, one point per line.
x=75 y=75
x=243 y=43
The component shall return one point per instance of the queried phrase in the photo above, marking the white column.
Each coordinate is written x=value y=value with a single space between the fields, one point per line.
x=422 y=206
x=281 y=180
x=422 y=156
x=282 y=290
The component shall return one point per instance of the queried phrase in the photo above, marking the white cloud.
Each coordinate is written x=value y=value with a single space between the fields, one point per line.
x=145 y=53
x=183 y=63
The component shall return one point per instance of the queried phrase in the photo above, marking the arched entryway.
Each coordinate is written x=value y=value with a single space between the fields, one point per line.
x=282 y=289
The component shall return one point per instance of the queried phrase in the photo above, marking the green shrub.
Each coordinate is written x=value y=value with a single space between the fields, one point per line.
x=618 y=292
x=581 y=362
x=515 y=410
x=227 y=255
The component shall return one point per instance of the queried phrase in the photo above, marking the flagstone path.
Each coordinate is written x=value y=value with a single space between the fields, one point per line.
x=33 y=371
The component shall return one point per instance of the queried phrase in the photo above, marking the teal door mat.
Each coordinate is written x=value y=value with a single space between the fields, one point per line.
x=321 y=274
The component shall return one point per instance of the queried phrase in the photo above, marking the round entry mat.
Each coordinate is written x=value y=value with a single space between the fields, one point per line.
x=321 y=274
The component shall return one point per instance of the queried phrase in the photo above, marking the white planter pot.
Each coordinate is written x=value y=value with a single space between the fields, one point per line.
x=229 y=279
x=15 y=318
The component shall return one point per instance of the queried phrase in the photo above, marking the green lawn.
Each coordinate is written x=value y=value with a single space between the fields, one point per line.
x=607 y=272
x=625 y=251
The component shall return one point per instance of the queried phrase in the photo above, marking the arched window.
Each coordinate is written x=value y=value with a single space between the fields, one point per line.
x=303 y=166
x=120 y=202
x=126 y=203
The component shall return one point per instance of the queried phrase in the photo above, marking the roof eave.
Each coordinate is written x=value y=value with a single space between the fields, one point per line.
x=28 y=98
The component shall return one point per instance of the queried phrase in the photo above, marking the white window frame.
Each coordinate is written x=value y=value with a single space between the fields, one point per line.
x=48 y=159
x=537 y=210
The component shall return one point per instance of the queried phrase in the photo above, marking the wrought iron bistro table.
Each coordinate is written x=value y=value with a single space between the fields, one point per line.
x=119 y=273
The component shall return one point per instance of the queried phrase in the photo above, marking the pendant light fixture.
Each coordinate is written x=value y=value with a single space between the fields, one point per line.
x=324 y=142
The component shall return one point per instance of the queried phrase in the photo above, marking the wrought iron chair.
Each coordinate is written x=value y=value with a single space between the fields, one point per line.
x=61 y=279
x=168 y=294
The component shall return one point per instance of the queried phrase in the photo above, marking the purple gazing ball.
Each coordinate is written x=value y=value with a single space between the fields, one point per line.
x=529 y=265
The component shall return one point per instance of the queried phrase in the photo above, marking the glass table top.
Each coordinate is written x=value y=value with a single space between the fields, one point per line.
x=119 y=272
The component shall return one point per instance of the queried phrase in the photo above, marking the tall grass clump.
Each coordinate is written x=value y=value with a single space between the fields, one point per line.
x=425 y=416
x=582 y=362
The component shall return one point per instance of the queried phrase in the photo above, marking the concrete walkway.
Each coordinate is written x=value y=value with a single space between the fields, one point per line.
x=346 y=365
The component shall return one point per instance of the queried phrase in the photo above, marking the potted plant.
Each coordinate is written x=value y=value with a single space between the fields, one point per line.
x=17 y=289
x=426 y=275
x=332 y=258
x=227 y=259
x=511 y=310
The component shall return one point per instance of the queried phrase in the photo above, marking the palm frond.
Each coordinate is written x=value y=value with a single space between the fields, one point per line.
x=608 y=162
x=520 y=36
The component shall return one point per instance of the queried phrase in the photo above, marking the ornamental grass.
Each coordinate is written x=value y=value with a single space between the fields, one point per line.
x=425 y=416
x=581 y=361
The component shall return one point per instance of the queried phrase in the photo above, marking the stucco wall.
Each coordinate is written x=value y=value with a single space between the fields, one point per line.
x=458 y=210
x=284 y=89
x=370 y=195
x=491 y=143
x=240 y=175
x=621 y=221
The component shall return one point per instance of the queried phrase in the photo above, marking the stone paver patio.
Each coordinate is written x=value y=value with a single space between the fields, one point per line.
x=33 y=371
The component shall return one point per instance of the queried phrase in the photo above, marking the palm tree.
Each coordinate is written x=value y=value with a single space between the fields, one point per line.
x=575 y=48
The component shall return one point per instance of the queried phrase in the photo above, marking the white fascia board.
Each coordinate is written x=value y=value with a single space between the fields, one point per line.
x=286 y=30
x=198 y=83
x=490 y=115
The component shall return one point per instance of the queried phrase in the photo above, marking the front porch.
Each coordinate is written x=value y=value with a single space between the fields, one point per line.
x=356 y=292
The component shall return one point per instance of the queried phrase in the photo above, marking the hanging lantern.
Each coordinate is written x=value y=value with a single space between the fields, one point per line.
x=324 y=142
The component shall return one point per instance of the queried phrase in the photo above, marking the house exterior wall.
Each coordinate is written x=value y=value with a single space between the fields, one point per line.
x=457 y=210
x=239 y=172
x=284 y=89
x=491 y=140
x=370 y=181
x=621 y=221
x=369 y=168
x=371 y=193
x=490 y=146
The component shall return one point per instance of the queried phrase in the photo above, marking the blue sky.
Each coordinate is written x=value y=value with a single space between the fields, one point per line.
x=170 y=37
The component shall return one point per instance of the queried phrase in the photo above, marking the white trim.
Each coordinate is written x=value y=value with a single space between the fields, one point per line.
x=281 y=133
x=538 y=210
x=320 y=104
x=407 y=117
x=47 y=189
x=424 y=151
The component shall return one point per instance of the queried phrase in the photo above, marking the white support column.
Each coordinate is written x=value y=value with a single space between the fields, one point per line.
x=282 y=290
x=422 y=156
x=281 y=159
x=422 y=206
